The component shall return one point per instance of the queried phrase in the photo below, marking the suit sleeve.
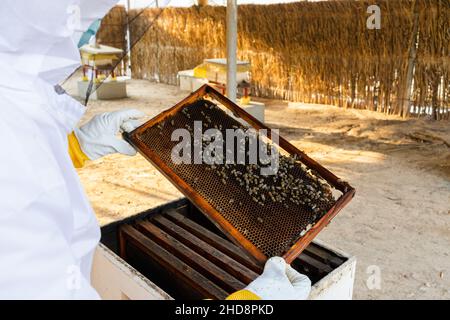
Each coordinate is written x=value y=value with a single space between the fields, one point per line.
x=36 y=224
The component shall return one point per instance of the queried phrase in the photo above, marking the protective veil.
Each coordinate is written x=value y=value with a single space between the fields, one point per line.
x=48 y=231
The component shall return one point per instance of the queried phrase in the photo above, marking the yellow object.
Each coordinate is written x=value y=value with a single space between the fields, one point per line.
x=85 y=78
x=200 y=71
x=98 y=56
x=214 y=69
x=243 y=295
x=217 y=67
x=76 y=154
x=245 y=100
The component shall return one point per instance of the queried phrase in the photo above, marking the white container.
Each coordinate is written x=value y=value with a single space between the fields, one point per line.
x=338 y=284
x=188 y=82
x=109 y=89
x=216 y=70
x=331 y=271
x=114 y=279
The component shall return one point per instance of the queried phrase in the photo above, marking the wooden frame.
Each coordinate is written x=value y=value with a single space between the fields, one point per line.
x=229 y=230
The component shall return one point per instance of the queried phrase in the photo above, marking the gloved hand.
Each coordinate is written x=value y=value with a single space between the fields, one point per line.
x=98 y=137
x=279 y=281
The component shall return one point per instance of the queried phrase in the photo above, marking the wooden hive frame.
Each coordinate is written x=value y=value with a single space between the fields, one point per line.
x=206 y=208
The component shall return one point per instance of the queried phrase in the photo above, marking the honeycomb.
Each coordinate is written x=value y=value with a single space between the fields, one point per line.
x=274 y=211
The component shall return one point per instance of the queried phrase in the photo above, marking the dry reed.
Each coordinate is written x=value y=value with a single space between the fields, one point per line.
x=317 y=52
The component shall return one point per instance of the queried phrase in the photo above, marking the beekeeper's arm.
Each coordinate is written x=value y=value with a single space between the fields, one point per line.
x=279 y=281
x=98 y=137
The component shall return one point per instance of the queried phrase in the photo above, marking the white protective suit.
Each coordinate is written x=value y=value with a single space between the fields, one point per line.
x=48 y=231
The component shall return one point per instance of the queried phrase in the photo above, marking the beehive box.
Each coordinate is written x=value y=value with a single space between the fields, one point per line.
x=140 y=275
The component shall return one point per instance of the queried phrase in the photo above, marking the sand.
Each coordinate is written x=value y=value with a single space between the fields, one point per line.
x=398 y=222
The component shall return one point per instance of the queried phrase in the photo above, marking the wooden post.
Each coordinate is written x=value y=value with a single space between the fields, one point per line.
x=353 y=90
x=406 y=101
x=435 y=96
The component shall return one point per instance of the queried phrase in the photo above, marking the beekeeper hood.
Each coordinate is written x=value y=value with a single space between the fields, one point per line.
x=39 y=38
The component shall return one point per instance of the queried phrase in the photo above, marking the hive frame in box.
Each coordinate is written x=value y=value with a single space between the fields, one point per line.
x=226 y=227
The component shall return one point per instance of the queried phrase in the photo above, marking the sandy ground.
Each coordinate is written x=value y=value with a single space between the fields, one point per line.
x=399 y=221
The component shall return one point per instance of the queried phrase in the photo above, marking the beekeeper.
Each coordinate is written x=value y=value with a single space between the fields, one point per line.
x=48 y=230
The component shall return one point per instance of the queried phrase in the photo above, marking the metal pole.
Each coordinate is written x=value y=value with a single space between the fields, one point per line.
x=231 y=49
x=128 y=66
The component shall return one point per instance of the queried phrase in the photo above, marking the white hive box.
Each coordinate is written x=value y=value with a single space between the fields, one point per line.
x=188 y=82
x=116 y=89
x=331 y=271
x=215 y=70
x=99 y=55
x=99 y=63
x=114 y=279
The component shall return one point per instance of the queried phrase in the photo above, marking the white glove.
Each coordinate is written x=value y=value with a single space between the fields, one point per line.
x=279 y=281
x=98 y=137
